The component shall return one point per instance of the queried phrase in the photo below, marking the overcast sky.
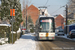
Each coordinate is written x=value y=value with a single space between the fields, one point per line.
x=53 y=9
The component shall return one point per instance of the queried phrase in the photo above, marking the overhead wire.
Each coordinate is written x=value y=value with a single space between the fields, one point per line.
x=46 y=2
x=55 y=11
x=58 y=9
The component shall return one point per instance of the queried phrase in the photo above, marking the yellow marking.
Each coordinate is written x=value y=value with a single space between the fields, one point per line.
x=47 y=34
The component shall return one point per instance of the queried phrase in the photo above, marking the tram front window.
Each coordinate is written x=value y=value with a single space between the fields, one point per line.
x=44 y=27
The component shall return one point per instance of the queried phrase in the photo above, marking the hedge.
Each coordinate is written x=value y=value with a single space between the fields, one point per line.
x=5 y=32
x=15 y=37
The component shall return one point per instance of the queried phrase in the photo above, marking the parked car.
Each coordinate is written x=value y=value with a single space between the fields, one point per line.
x=60 y=32
x=71 y=34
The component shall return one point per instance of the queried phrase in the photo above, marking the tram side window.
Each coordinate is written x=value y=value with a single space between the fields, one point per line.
x=53 y=27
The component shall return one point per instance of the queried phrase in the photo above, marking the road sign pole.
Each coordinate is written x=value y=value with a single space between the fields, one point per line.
x=12 y=24
x=12 y=13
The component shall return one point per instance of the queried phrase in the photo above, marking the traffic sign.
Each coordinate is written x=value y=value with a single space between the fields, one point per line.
x=12 y=11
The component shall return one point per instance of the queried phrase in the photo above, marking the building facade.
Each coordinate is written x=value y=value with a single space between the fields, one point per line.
x=59 y=21
x=33 y=12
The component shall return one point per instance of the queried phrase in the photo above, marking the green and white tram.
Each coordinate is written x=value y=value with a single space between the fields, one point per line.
x=45 y=28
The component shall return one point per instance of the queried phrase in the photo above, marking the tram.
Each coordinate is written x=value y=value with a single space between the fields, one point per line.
x=45 y=28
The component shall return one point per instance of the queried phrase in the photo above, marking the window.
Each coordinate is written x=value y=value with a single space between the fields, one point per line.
x=44 y=26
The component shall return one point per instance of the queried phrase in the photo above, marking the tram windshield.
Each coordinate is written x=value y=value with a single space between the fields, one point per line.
x=46 y=26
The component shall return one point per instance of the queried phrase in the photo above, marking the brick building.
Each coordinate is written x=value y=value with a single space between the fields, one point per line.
x=59 y=21
x=33 y=12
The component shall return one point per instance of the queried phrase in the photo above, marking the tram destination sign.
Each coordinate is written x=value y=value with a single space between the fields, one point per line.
x=45 y=20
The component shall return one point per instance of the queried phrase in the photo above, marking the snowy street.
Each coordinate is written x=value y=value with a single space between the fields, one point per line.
x=59 y=44
x=26 y=42
x=29 y=42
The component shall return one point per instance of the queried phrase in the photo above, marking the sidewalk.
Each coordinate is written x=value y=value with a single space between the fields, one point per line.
x=26 y=42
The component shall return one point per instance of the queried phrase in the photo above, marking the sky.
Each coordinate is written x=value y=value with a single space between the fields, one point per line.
x=53 y=6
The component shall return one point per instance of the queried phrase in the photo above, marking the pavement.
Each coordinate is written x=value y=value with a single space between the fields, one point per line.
x=26 y=42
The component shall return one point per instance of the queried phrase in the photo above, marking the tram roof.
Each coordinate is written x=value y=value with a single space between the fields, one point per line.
x=45 y=16
x=42 y=16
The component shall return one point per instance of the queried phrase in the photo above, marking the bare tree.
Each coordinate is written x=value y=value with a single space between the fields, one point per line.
x=71 y=8
x=71 y=11
x=25 y=6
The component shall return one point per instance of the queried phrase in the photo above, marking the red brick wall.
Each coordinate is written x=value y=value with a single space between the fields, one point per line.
x=59 y=21
x=33 y=12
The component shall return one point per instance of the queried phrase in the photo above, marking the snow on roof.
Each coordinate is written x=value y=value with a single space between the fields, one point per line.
x=5 y=25
x=61 y=15
x=58 y=15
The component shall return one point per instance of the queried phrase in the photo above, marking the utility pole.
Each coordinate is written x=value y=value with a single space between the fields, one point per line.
x=26 y=18
x=66 y=16
x=24 y=13
x=25 y=4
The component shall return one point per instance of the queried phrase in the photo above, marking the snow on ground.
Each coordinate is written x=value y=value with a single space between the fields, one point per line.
x=65 y=36
x=26 y=42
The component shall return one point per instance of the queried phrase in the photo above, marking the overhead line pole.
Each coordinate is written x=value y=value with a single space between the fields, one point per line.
x=26 y=18
x=66 y=16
